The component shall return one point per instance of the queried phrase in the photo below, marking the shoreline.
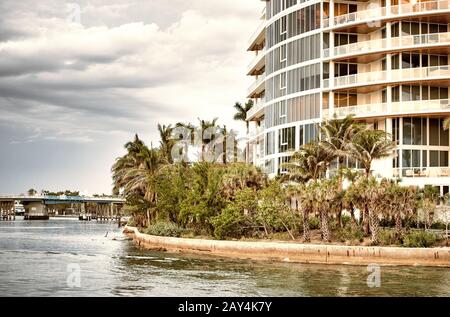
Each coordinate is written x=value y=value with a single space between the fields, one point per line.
x=296 y=252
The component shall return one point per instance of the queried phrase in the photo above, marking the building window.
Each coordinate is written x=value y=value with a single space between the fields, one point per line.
x=311 y=134
x=281 y=164
x=286 y=140
x=270 y=143
x=438 y=136
x=414 y=131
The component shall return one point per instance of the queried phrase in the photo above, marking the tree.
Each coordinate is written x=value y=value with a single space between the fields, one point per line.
x=446 y=124
x=309 y=163
x=428 y=203
x=306 y=196
x=205 y=128
x=337 y=134
x=369 y=145
x=32 y=192
x=135 y=173
x=241 y=112
x=167 y=142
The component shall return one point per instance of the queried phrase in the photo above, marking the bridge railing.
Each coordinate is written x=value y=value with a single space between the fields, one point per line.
x=64 y=198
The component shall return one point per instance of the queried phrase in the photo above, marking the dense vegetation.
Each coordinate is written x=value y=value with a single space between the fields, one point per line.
x=226 y=199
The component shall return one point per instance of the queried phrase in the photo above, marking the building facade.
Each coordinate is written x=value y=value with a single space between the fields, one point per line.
x=385 y=61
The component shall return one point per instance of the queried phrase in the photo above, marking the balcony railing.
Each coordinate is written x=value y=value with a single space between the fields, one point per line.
x=257 y=32
x=257 y=106
x=259 y=81
x=261 y=54
x=422 y=172
x=367 y=78
x=373 y=14
x=255 y=133
x=392 y=44
x=379 y=109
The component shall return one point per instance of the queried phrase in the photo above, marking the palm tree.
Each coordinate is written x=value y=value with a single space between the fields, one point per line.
x=366 y=146
x=186 y=128
x=204 y=126
x=309 y=163
x=135 y=173
x=369 y=145
x=167 y=142
x=241 y=112
x=306 y=197
x=446 y=124
x=337 y=134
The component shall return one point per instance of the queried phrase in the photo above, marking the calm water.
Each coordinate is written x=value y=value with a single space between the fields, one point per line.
x=35 y=256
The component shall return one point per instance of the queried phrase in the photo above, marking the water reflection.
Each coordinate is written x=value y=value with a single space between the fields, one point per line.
x=34 y=257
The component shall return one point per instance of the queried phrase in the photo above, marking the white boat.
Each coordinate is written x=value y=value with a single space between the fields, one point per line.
x=19 y=209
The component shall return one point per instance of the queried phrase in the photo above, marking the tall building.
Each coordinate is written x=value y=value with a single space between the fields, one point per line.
x=385 y=61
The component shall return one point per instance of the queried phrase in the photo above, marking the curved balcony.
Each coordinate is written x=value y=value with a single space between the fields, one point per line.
x=257 y=62
x=393 y=44
x=397 y=75
x=256 y=41
x=374 y=14
x=257 y=109
x=257 y=87
x=394 y=109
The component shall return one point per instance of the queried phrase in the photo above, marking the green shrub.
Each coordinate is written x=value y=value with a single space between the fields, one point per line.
x=419 y=239
x=314 y=223
x=164 y=229
x=438 y=225
x=387 y=237
x=350 y=234
x=346 y=220
x=234 y=219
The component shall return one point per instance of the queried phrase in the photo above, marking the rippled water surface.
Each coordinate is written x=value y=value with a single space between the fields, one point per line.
x=36 y=258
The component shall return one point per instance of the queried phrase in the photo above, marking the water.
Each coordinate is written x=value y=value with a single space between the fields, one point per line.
x=35 y=257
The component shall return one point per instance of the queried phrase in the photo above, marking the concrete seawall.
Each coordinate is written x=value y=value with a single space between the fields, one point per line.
x=295 y=252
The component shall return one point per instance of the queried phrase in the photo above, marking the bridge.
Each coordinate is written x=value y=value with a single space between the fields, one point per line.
x=39 y=207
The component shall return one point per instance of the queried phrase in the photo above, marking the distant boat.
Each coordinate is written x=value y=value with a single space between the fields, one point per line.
x=19 y=209
x=85 y=217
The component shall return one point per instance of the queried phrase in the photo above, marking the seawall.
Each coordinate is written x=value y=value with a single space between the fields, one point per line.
x=296 y=252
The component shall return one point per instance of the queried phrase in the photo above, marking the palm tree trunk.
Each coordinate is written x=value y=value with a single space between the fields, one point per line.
x=352 y=215
x=306 y=231
x=375 y=228
x=398 y=225
x=247 y=147
x=324 y=226
x=366 y=222
x=224 y=150
x=148 y=217
x=203 y=152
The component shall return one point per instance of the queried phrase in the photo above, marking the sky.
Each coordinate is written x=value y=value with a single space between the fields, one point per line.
x=79 y=79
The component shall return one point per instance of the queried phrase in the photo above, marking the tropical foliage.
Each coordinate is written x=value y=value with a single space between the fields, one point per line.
x=329 y=192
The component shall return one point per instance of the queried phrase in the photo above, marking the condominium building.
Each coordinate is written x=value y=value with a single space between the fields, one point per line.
x=385 y=61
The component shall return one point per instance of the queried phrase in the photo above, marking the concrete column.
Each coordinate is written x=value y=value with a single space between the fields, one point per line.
x=331 y=12
x=112 y=212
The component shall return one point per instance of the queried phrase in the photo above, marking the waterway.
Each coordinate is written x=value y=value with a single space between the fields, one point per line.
x=66 y=257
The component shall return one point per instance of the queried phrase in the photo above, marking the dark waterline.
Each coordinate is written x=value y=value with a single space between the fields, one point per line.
x=35 y=257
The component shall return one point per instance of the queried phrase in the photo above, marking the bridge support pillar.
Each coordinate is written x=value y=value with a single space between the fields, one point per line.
x=7 y=211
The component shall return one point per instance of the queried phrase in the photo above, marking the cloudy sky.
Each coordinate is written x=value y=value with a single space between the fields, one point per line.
x=71 y=94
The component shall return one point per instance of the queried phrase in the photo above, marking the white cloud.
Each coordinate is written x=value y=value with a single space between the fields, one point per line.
x=130 y=65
